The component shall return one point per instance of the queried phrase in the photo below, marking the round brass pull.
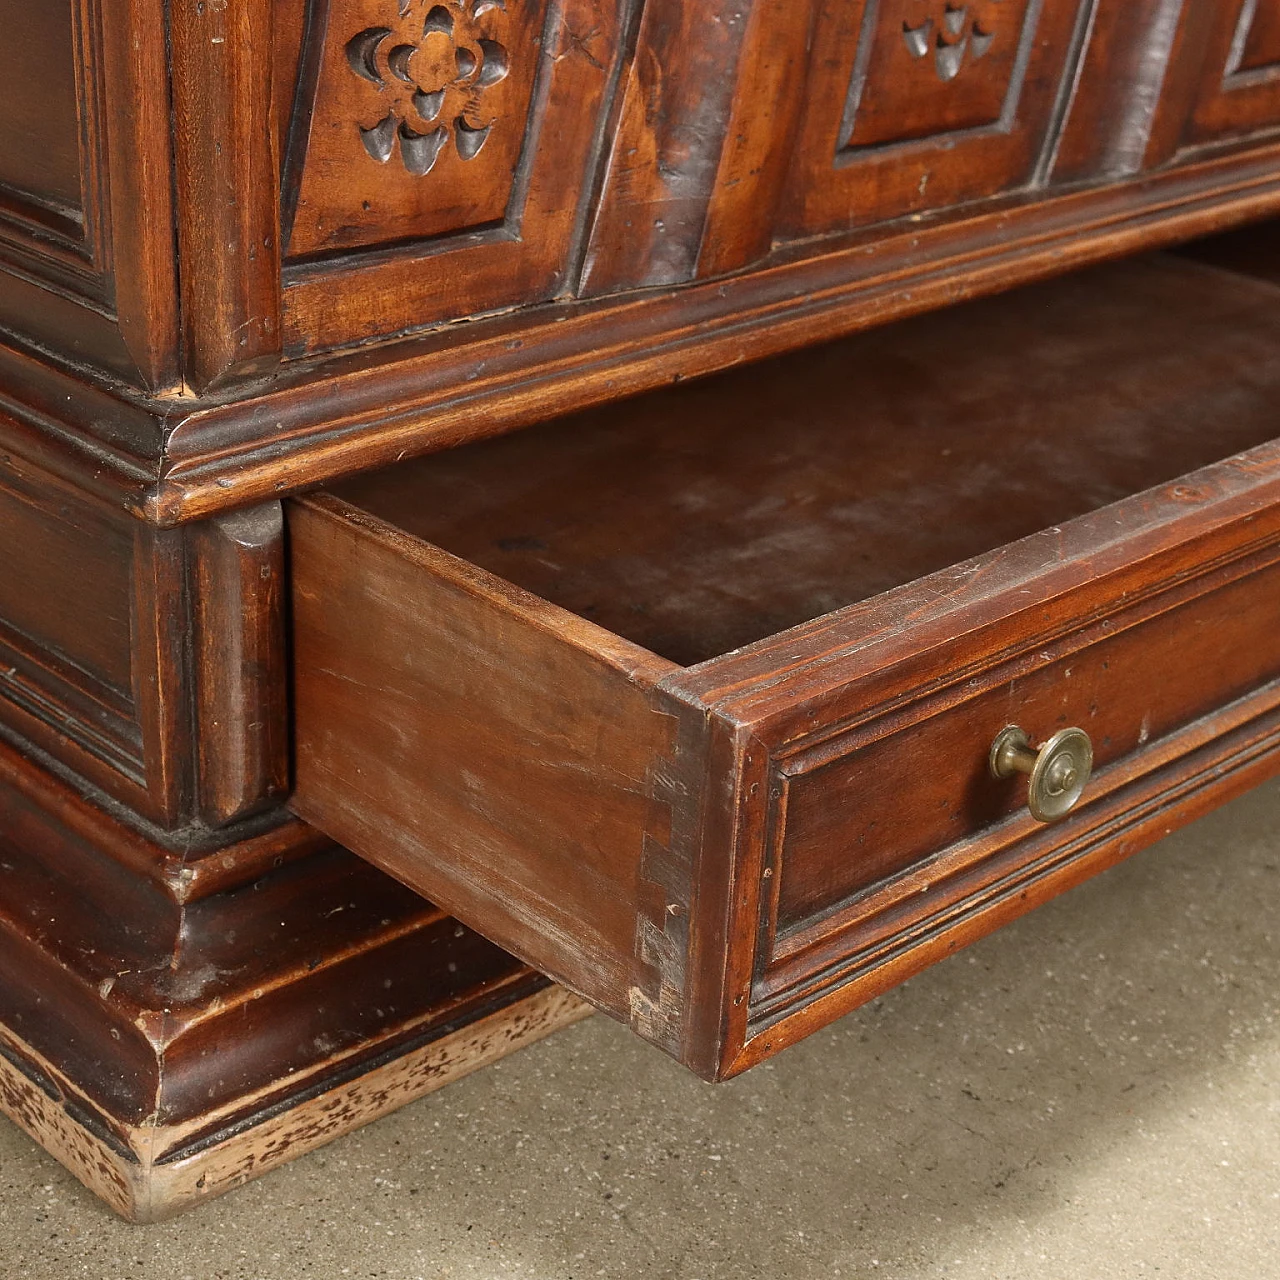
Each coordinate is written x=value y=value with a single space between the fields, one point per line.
x=1058 y=770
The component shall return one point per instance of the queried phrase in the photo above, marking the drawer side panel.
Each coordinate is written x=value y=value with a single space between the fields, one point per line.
x=476 y=744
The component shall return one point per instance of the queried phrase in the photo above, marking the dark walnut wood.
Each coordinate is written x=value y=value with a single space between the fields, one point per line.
x=605 y=759
x=149 y=661
x=259 y=246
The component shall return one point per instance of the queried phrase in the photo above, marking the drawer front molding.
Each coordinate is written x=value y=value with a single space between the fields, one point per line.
x=912 y=107
x=1125 y=675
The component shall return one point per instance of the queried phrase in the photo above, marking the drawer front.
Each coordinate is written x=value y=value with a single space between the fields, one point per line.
x=895 y=828
x=853 y=811
x=914 y=105
x=435 y=157
x=963 y=118
x=869 y=836
x=1224 y=80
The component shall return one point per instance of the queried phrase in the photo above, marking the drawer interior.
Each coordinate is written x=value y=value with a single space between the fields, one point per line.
x=702 y=518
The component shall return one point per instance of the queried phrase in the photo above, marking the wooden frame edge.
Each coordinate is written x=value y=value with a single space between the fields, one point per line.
x=402 y=407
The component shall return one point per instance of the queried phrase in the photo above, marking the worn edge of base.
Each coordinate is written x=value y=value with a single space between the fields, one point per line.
x=39 y=1103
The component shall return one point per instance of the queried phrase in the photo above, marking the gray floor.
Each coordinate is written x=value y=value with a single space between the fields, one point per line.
x=1094 y=1092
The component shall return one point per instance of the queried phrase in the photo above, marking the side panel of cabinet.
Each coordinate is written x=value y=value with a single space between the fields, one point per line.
x=149 y=662
x=66 y=671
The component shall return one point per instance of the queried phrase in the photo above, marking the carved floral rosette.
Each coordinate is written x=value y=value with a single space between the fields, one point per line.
x=433 y=75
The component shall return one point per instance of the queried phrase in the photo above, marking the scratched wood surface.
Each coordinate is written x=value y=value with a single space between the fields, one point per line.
x=170 y=1031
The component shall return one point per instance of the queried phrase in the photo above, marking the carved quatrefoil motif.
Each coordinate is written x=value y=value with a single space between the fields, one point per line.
x=951 y=39
x=433 y=74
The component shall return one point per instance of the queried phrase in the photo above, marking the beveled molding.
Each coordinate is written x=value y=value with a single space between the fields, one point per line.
x=122 y=985
x=172 y=459
x=164 y=685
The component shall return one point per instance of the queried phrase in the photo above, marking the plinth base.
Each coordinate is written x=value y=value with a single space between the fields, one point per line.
x=172 y=1026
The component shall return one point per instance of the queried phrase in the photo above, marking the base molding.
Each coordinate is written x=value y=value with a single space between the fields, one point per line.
x=168 y=1038
x=147 y=1178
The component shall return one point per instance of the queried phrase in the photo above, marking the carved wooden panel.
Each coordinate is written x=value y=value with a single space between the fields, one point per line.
x=673 y=108
x=1117 y=89
x=927 y=70
x=438 y=156
x=1226 y=75
x=1256 y=44
x=418 y=121
x=915 y=105
x=1248 y=97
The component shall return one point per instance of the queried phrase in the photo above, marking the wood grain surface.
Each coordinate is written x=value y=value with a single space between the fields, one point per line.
x=706 y=517
x=527 y=779
x=231 y=198
x=642 y=694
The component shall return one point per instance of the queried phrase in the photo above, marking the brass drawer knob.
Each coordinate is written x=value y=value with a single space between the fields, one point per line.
x=1058 y=770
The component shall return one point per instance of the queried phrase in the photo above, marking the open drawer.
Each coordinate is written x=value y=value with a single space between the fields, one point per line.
x=690 y=701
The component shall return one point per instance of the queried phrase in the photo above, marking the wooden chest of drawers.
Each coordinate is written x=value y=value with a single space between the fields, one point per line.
x=693 y=701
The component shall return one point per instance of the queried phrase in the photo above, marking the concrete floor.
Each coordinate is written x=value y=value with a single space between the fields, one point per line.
x=1093 y=1092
